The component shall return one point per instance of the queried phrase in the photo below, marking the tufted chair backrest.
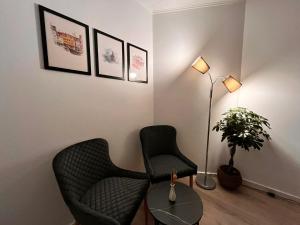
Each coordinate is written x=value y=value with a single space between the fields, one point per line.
x=80 y=166
x=156 y=140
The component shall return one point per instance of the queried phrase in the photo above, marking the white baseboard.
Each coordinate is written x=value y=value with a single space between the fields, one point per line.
x=209 y=173
x=264 y=188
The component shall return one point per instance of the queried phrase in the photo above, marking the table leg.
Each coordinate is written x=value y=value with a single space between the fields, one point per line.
x=191 y=181
x=146 y=212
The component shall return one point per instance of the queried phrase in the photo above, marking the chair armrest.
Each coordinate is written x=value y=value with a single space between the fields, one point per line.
x=87 y=216
x=128 y=173
x=185 y=159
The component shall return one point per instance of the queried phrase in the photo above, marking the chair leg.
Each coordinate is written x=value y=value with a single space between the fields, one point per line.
x=191 y=181
x=146 y=211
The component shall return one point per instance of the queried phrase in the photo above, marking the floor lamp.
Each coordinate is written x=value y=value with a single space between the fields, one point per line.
x=203 y=180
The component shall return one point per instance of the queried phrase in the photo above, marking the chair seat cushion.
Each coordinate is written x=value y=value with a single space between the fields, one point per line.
x=162 y=166
x=117 y=197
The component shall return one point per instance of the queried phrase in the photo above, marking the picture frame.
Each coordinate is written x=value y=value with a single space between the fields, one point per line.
x=109 y=56
x=65 y=43
x=137 y=64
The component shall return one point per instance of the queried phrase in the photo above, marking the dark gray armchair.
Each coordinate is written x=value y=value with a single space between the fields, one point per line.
x=96 y=191
x=161 y=154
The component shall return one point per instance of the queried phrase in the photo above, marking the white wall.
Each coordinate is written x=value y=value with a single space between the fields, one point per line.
x=181 y=94
x=270 y=69
x=43 y=111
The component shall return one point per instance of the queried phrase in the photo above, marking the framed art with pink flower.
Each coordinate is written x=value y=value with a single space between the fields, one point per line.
x=137 y=64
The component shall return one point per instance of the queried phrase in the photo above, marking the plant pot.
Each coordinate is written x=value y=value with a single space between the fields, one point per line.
x=229 y=180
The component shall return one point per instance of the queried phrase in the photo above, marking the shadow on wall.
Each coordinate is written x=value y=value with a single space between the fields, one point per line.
x=39 y=38
x=269 y=59
x=134 y=153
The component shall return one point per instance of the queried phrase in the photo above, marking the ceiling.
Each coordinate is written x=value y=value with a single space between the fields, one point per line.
x=165 y=6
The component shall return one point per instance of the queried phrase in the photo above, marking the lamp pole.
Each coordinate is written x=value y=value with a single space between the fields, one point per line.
x=202 y=180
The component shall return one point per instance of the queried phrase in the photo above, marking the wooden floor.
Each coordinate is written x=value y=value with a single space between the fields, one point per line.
x=243 y=207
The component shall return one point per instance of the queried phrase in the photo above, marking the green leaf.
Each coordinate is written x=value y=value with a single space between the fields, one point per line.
x=244 y=128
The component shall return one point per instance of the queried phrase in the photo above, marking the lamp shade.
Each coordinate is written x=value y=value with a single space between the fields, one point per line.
x=232 y=84
x=201 y=65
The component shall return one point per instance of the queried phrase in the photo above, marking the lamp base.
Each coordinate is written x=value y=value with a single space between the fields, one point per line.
x=207 y=184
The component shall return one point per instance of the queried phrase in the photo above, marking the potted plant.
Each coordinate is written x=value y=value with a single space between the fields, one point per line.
x=244 y=128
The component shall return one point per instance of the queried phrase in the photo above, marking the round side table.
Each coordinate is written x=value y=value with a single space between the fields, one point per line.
x=186 y=210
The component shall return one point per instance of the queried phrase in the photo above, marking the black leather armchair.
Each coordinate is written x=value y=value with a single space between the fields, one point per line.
x=161 y=154
x=96 y=191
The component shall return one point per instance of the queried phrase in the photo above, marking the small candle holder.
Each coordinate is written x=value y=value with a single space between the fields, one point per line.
x=172 y=193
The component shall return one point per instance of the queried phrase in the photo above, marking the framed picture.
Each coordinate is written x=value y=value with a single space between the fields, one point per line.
x=137 y=60
x=109 y=56
x=65 y=43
